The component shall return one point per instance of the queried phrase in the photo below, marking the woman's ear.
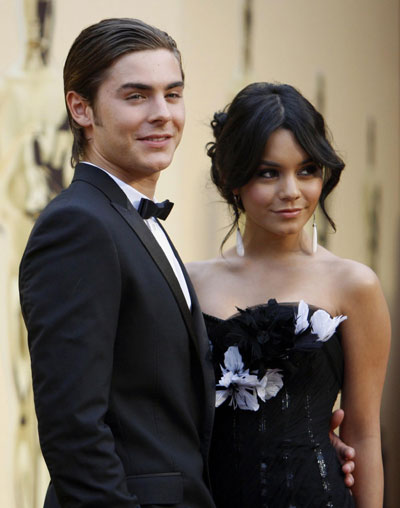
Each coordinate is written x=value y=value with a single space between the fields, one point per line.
x=79 y=108
x=237 y=200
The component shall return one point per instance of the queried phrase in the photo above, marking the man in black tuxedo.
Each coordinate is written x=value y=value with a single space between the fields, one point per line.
x=122 y=380
x=123 y=384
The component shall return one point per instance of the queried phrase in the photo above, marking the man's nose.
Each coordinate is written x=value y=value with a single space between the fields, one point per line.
x=160 y=110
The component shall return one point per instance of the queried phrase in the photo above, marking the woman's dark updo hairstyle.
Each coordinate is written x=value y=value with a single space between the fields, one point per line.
x=242 y=129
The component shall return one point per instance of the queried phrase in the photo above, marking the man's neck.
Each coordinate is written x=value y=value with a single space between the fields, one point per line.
x=145 y=185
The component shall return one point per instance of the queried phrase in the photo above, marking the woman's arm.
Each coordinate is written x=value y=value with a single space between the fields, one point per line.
x=366 y=340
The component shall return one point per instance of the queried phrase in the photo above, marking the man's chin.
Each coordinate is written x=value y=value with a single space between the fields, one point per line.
x=160 y=165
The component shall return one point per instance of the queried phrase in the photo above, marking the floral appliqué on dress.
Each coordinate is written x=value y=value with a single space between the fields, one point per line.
x=262 y=337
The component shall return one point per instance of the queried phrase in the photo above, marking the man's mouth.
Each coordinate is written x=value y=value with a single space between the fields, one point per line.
x=155 y=137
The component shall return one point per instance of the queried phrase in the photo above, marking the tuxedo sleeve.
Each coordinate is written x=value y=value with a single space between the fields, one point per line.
x=70 y=287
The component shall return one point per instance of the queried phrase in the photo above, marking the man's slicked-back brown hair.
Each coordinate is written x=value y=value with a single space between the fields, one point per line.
x=93 y=52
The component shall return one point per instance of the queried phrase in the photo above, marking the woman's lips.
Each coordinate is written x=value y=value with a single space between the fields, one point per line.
x=288 y=213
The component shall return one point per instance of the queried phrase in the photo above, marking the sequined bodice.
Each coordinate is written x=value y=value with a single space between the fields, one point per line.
x=278 y=455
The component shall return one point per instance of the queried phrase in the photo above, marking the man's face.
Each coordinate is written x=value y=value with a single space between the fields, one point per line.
x=138 y=116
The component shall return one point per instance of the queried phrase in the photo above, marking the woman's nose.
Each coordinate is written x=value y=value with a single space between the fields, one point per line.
x=289 y=188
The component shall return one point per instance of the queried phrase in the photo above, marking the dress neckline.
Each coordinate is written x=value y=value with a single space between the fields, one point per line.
x=261 y=305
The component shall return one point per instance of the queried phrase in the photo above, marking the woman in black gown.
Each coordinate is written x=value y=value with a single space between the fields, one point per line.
x=290 y=323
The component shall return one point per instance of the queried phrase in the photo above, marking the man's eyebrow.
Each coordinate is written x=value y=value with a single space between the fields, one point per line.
x=143 y=86
x=176 y=84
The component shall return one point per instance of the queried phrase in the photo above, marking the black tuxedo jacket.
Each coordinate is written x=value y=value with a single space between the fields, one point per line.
x=123 y=383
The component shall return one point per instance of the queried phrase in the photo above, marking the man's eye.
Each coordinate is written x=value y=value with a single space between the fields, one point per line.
x=135 y=96
x=174 y=95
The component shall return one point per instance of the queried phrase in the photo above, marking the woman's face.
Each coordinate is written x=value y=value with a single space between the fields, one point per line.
x=284 y=192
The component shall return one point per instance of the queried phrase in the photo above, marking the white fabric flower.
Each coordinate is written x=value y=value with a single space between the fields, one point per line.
x=270 y=384
x=239 y=383
x=244 y=387
x=233 y=360
x=301 y=318
x=324 y=325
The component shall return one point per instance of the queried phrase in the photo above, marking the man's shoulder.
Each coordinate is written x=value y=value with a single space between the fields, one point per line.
x=78 y=207
x=78 y=195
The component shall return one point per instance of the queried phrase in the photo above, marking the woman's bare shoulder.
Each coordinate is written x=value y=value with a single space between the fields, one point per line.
x=202 y=273
x=355 y=283
x=353 y=276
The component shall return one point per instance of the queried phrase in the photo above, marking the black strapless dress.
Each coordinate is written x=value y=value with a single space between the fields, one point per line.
x=279 y=368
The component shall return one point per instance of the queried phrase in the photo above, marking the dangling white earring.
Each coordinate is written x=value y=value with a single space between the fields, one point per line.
x=314 y=236
x=239 y=243
x=239 y=239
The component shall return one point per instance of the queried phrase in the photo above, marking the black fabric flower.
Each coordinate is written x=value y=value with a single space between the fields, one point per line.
x=268 y=336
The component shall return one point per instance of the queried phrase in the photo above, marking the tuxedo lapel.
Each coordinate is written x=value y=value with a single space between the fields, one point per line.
x=155 y=251
x=208 y=370
x=120 y=202
x=197 y=316
x=204 y=350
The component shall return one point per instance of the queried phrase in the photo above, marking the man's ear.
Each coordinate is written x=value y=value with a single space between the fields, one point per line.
x=79 y=108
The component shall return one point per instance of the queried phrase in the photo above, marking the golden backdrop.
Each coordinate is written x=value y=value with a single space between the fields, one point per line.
x=344 y=56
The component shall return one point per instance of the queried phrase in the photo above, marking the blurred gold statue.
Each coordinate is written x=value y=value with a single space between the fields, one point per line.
x=34 y=166
x=372 y=196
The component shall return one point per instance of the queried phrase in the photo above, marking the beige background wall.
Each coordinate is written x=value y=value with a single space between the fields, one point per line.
x=352 y=46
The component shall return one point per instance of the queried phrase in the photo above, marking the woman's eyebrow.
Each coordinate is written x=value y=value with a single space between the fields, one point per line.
x=277 y=165
x=270 y=163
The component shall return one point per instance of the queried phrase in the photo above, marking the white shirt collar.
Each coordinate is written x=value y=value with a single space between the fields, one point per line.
x=132 y=194
x=134 y=197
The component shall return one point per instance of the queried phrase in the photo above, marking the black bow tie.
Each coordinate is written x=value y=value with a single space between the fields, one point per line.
x=148 y=208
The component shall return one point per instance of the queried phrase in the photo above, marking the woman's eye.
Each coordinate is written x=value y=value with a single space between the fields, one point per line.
x=312 y=170
x=268 y=173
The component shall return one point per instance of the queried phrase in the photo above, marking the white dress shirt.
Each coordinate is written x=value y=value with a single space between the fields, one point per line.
x=135 y=197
